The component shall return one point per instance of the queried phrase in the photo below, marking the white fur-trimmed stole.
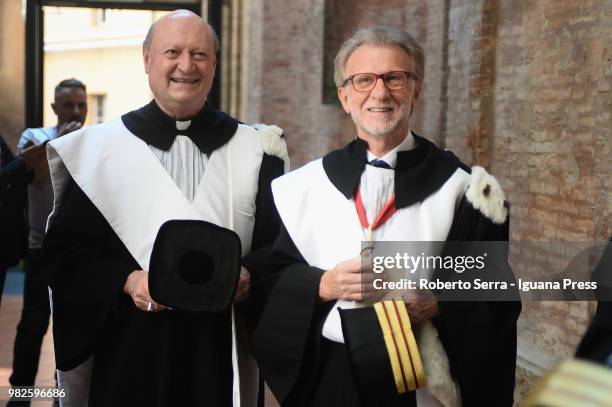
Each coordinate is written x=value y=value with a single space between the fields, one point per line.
x=272 y=142
x=440 y=383
x=487 y=196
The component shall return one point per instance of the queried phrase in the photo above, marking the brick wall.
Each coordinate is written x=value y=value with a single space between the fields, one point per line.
x=431 y=118
x=290 y=90
x=552 y=144
x=291 y=93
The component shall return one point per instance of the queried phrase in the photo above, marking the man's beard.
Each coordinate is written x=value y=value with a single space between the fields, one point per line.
x=385 y=128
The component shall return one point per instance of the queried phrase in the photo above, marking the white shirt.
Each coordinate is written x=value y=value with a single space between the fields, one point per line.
x=391 y=157
x=40 y=190
x=184 y=162
x=377 y=185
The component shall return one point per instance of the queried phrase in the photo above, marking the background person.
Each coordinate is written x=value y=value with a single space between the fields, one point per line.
x=70 y=106
x=15 y=175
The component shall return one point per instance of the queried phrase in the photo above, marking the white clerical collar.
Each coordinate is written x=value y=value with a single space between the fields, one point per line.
x=183 y=125
x=391 y=157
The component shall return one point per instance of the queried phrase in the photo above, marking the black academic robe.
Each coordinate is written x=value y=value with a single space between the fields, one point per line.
x=140 y=358
x=479 y=337
x=596 y=345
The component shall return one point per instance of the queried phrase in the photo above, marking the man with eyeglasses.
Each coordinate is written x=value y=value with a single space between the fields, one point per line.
x=319 y=340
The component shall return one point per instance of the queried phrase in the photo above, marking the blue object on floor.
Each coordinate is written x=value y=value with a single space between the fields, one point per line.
x=13 y=285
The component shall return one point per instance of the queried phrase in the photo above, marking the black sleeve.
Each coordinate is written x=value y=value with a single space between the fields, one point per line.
x=290 y=325
x=596 y=345
x=480 y=337
x=86 y=266
x=14 y=176
x=267 y=221
x=265 y=231
x=597 y=342
x=14 y=179
x=283 y=312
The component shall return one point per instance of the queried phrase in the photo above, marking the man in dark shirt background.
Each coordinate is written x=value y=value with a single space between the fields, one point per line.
x=15 y=174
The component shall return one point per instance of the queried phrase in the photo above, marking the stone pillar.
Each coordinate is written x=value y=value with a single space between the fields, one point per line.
x=12 y=70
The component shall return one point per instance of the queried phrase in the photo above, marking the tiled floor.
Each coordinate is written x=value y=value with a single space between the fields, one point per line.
x=10 y=311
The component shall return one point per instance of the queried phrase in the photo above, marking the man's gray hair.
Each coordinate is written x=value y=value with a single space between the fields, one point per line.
x=380 y=36
x=149 y=38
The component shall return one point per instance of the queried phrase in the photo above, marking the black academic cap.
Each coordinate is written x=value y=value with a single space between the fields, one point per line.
x=382 y=350
x=195 y=266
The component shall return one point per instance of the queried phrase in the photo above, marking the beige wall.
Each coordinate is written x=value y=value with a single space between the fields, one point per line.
x=117 y=73
x=104 y=53
x=66 y=32
x=12 y=61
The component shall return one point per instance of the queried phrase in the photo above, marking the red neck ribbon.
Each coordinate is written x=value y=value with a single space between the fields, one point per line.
x=387 y=211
